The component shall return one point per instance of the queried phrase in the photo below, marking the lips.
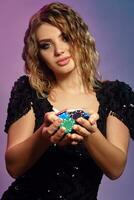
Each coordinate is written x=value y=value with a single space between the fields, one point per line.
x=63 y=61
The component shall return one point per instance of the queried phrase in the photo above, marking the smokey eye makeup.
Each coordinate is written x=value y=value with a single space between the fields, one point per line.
x=65 y=37
x=44 y=45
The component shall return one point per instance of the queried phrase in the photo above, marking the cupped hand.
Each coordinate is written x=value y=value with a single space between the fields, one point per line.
x=86 y=127
x=55 y=134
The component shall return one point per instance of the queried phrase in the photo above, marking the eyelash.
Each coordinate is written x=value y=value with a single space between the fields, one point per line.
x=46 y=46
x=65 y=38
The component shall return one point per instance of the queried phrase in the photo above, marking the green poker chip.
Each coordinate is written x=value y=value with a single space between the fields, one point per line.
x=68 y=124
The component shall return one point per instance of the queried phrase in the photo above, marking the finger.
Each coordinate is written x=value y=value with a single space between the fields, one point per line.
x=89 y=124
x=72 y=138
x=64 y=140
x=50 y=117
x=93 y=118
x=82 y=131
x=58 y=135
x=83 y=123
x=74 y=143
x=51 y=129
x=75 y=137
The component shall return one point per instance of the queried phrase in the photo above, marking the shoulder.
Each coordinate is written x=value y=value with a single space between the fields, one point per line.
x=117 y=90
x=116 y=86
x=21 y=83
x=21 y=92
x=20 y=100
x=118 y=94
x=119 y=98
x=22 y=89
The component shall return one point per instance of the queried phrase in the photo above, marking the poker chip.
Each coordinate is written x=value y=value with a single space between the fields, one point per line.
x=69 y=118
x=64 y=115
x=79 y=113
x=68 y=124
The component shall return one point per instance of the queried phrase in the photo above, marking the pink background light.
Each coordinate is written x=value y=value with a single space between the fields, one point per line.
x=111 y=23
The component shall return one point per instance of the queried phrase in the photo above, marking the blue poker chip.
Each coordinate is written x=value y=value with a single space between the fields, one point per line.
x=79 y=113
x=64 y=115
x=86 y=115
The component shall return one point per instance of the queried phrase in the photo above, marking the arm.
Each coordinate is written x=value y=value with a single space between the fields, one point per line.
x=109 y=153
x=23 y=147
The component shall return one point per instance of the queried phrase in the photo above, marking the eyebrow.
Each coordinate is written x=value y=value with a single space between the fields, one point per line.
x=44 y=40
x=49 y=39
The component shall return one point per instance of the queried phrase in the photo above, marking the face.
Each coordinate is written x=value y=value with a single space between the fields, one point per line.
x=55 y=49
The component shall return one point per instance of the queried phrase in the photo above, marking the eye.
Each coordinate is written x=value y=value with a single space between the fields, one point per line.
x=44 y=45
x=65 y=37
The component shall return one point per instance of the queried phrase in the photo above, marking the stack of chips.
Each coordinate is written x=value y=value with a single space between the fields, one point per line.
x=69 y=118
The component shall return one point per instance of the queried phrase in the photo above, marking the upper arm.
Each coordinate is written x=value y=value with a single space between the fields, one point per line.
x=20 y=121
x=21 y=129
x=119 y=102
x=117 y=133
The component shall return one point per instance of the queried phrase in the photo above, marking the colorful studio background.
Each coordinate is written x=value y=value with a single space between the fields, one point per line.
x=112 y=24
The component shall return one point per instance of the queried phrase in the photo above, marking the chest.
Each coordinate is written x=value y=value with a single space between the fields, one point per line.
x=88 y=102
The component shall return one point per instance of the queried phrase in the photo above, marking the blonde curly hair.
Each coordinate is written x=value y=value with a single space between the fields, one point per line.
x=71 y=24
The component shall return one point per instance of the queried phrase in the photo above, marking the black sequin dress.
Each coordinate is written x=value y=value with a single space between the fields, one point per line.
x=65 y=173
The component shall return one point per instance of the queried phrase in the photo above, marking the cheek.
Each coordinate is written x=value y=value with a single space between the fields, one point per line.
x=48 y=60
x=46 y=57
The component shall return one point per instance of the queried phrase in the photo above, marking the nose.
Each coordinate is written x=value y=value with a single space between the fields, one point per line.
x=59 y=49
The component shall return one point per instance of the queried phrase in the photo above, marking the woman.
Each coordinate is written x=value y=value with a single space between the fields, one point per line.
x=61 y=66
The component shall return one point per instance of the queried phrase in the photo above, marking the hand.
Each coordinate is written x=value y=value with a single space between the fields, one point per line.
x=57 y=135
x=86 y=127
x=51 y=124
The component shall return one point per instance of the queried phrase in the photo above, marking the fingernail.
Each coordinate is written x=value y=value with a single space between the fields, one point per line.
x=92 y=123
x=63 y=129
x=59 y=120
x=79 y=119
x=75 y=127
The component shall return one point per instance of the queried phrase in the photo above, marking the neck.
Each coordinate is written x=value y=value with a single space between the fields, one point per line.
x=71 y=83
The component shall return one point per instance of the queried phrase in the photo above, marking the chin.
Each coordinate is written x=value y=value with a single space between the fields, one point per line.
x=68 y=70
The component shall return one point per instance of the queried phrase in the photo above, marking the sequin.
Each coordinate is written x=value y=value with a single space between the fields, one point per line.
x=73 y=175
x=16 y=187
x=76 y=168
